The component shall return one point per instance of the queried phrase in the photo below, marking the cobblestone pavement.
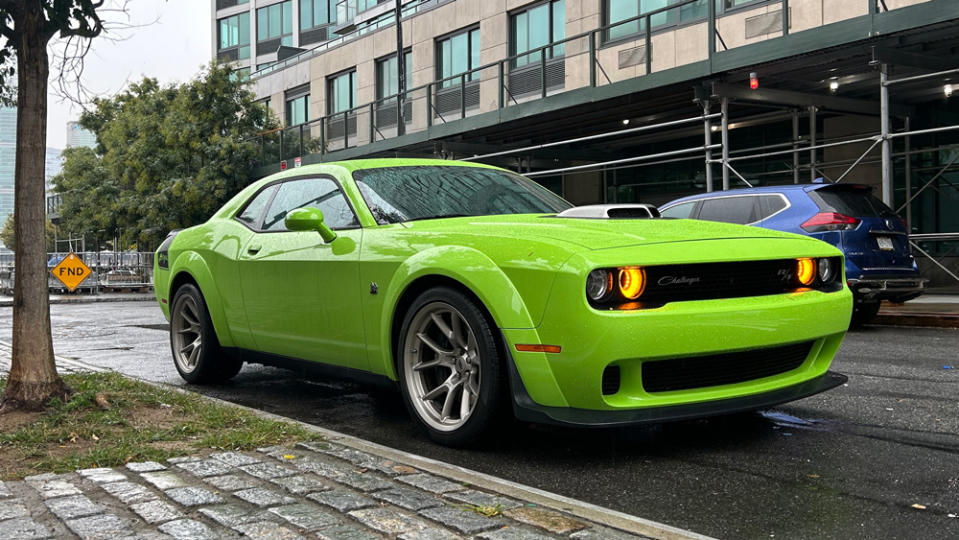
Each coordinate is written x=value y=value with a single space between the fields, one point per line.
x=312 y=490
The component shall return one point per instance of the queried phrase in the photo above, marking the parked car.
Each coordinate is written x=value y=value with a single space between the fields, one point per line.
x=481 y=292
x=879 y=263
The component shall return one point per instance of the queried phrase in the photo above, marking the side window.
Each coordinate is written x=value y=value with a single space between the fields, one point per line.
x=739 y=210
x=320 y=193
x=771 y=204
x=681 y=211
x=253 y=212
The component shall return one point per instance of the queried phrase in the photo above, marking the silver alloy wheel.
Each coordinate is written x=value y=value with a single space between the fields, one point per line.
x=442 y=366
x=187 y=339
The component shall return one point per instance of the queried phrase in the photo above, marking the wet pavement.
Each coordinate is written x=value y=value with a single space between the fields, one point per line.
x=878 y=457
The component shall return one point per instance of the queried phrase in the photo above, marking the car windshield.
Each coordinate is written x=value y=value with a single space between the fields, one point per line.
x=398 y=194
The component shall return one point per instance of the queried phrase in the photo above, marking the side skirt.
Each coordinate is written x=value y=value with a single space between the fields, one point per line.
x=309 y=368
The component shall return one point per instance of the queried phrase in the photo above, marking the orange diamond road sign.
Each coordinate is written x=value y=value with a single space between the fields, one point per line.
x=71 y=271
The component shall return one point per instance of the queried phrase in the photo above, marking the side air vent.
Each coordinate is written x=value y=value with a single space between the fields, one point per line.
x=610 y=380
x=612 y=211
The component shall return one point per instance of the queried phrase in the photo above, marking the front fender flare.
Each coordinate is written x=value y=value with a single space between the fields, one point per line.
x=193 y=264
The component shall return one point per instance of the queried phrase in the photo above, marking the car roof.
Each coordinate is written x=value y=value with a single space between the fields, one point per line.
x=785 y=189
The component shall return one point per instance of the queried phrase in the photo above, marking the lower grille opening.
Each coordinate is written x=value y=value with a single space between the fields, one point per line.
x=610 y=380
x=719 y=369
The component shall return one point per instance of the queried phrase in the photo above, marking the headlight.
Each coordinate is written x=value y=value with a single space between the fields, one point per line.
x=632 y=282
x=806 y=271
x=826 y=272
x=598 y=284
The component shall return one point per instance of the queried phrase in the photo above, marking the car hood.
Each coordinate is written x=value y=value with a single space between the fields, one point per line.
x=595 y=234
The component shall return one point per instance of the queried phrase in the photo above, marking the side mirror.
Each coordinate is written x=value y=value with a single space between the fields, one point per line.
x=309 y=219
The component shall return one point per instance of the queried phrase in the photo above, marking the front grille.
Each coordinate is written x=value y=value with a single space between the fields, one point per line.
x=610 y=380
x=709 y=281
x=718 y=369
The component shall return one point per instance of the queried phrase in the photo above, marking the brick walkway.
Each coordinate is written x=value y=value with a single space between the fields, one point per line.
x=315 y=490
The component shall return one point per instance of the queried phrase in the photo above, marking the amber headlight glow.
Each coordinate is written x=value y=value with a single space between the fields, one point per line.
x=806 y=271
x=632 y=282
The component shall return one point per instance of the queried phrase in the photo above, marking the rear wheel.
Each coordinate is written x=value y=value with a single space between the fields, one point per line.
x=449 y=367
x=196 y=349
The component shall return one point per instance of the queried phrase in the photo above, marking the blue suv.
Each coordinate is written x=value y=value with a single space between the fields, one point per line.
x=879 y=263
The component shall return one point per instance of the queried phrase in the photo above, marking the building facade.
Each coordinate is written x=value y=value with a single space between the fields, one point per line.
x=622 y=100
x=77 y=136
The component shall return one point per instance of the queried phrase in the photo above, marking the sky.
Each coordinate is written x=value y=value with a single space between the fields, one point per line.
x=171 y=43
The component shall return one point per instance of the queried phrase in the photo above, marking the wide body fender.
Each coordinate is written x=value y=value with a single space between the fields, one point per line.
x=190 y=262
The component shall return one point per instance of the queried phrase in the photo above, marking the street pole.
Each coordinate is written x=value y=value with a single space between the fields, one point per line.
x=400 y=71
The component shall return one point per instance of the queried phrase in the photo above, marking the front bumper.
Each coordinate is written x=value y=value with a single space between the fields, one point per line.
x=895 y=289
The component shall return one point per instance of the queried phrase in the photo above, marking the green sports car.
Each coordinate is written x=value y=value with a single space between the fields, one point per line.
x=480 y=291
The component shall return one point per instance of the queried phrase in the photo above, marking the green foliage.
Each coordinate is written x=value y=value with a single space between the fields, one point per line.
x=9 y=237
x=167 y=156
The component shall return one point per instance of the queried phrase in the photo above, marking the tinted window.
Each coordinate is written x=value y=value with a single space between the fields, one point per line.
x=739 y=210
x=771 y=204
x=854 y=203
x=253 y=212
x=320 y=193
x=396 y=194
x=680 y=210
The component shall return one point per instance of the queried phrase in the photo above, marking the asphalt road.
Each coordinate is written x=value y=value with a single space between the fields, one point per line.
x=850 y=463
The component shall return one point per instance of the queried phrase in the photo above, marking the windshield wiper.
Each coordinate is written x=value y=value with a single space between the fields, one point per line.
x=439 y=216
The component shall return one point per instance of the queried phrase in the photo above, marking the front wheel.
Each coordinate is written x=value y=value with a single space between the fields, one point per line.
x=449 y=368
x=196 y=350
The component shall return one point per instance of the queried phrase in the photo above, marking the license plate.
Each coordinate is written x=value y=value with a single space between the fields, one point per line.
x=885 y=243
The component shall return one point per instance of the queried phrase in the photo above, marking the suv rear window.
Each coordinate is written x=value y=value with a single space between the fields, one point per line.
x=851 y=202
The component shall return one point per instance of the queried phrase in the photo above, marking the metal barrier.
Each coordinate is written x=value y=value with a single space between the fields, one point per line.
x=112 y=271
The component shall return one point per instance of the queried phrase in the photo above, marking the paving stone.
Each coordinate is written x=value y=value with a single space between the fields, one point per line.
x=235 y=459
x=428 y=482
x=155 y=511
x=362 y=481
x=102 y=475
x=429 y=533
x=182 y=459
x=193 y=496
x=314 y=446
x=464 y=521
x=263 y=497
x=270 y=450
x=145 y=466
x=5 y=491
x=361 y=459
x=302 y=484
x=543 y=518
x=187 y=529
x=51 y=485
x=164 y=480
x=387 y=521
x=206 y=467
x=306 y=516
x=22 y=529
x=604 y=533
x=12 y=509
x=319 y=467
x=227 y=515
x=266 y=530
x=145 y=535
x=481 y=498
x=408 y=498
x=231 y=482
x=267 y=471
x=515 y=533
x=128 y=492
x=73 y=506
x=342 y=500
x=101 y=527
x=347 y=532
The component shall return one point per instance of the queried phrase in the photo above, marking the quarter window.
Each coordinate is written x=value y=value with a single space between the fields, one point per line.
x=275 y=23
x=253 y=213
x=681 y=211
x=741 y=210
x=457 y=54
x=320 y=193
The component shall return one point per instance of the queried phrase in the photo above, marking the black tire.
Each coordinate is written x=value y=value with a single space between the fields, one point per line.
x=474 y=359
x=863 y=312
x=196 y=350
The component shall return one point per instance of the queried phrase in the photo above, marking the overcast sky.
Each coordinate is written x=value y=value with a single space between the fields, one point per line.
x=171 y=49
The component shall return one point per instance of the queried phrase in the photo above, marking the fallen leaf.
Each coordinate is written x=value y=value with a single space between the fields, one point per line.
x=404 y=469
x=95 y=438
x=102 y=402
x=814 y=475
x=918 y=506
x=289 y=456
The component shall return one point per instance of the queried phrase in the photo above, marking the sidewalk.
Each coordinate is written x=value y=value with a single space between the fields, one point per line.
x=937 y=310
x=7 y=301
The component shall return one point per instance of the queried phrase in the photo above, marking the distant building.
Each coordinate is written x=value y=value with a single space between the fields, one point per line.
x=77 y=136
x=8 y=151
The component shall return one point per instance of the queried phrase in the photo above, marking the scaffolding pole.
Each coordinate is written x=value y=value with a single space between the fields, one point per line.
x=708 y=136
x=795 y=146
x=725 y=127
x=908 y=178
x=886 y=141
x=812 y=143
x=624 y=160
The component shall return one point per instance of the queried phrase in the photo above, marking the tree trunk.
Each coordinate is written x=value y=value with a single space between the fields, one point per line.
x=33 y=379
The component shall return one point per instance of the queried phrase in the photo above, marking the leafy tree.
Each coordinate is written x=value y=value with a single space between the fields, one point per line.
x=167 y=156
x=27 y=26
x=8 y=235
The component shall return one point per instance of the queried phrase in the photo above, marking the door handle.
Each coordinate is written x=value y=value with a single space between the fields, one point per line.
x=254 y=249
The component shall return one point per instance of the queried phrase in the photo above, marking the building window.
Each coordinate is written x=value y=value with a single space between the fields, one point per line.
x=386 y=84
x=264 y=65
x=235 y=37
x=363 y=5
x=537 y=27
x=298 y=106
x=221 y=4
x=620 y=10
x=275 y=24
x=241 y=74
x=341 y=92
x=456 y=54
x=315 y=13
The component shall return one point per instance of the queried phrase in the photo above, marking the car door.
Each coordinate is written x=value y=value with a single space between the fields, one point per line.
x=301 y=294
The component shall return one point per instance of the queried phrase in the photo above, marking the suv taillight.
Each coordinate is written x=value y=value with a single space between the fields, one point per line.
x=829 y=221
